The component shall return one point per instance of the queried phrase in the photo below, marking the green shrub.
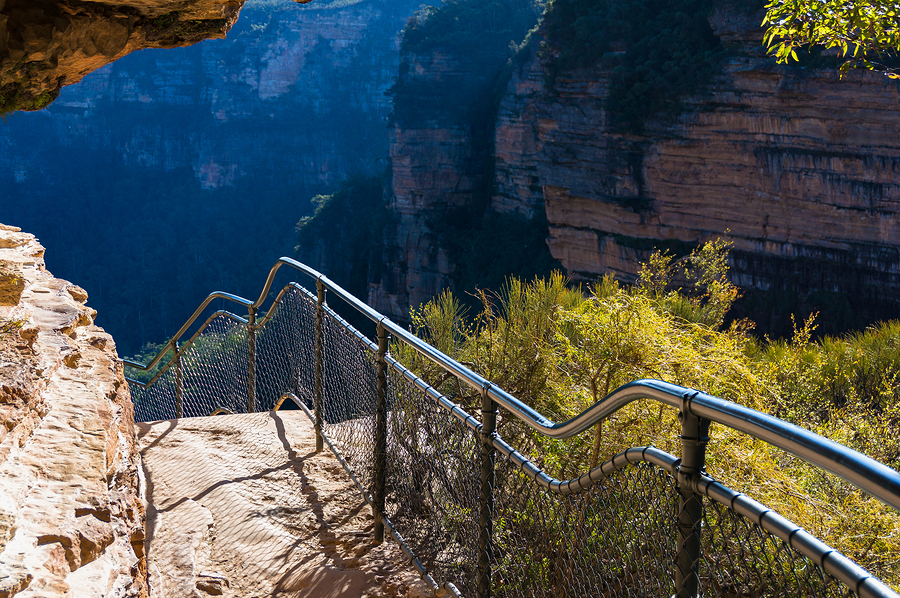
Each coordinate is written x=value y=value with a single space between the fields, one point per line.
x=560 y=349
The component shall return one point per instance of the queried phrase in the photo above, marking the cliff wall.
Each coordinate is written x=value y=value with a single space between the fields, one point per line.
x=797 y=165
x=71 y=510
x=207 y=156
x=440 y=146
x=438 y=154
x=230 y=110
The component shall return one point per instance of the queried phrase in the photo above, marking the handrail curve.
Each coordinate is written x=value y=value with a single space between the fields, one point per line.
x=179 y=352
x=209 y=299
x=865 y=473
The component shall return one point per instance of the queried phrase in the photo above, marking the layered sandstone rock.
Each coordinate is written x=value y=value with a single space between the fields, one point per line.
x=432 y=170
x=71 y=513
x=439 y=150
x=46 y=45
x=797 y=165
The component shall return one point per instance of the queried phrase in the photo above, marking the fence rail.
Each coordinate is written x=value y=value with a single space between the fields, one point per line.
x=479 y=514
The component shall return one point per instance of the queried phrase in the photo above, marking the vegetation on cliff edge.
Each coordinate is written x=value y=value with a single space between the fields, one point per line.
x=473 y=41
x=863 y=33
x=560 y=348
x=656 y=51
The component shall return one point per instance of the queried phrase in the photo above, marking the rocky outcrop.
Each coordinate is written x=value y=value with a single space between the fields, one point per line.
x=71 y=510
x=46 y=45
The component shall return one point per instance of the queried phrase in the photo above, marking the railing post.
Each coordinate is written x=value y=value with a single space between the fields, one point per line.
x=694 y=438
x=179 y=383
x=380 y=434
x=251 y=373
x=320 y=314
x=486 y=497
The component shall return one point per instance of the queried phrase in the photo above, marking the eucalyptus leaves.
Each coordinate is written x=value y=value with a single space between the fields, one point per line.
x=864 y=33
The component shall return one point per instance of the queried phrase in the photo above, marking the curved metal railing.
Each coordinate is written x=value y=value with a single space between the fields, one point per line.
x=697 y=410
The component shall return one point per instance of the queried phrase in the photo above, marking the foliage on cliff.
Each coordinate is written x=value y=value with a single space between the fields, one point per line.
x=560 y=349
x=656 y=51
x=344 y=234
x=865 y=34
x=13 y=97
x=474 y=39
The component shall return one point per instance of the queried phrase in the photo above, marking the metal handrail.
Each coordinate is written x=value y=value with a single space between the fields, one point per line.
x=865 y=473
x=177 y=353
x=696 y=411
x=834 y=563
x=209 y=299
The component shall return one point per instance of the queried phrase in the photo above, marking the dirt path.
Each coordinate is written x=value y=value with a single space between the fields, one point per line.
x=241 y=505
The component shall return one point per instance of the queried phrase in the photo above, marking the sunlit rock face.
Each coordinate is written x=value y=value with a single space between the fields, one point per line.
x=437 y=163
x=71 y=505
x=45 y=45
x=797 y=165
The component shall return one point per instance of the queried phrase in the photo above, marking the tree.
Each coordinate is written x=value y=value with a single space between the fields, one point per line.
x=865 y=33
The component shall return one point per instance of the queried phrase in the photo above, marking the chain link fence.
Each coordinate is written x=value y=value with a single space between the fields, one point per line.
x=743 y=559
x=614 y=539
x=286 y=349
x=432 y=482
x=480 y=517
x=208 y=374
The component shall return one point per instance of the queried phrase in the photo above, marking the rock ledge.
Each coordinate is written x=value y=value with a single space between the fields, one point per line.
x=71 y=508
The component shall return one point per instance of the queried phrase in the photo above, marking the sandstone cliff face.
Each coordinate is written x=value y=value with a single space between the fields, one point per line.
x=71 y=510
x=797 y=165
x=438 y=152
x=46 y=45
x=294 y=92
x=206 y=155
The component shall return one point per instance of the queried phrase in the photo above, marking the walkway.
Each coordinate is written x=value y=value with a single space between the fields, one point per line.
x=241 y=505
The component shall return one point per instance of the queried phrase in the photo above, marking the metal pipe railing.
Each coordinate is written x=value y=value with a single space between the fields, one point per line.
x=177 y=336
x=863 y=472
x=697 y=411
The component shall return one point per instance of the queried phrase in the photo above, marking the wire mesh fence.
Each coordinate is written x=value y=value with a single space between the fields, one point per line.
x=348 y=396
x=158 y=401
x=432 y=483
x=213 y=373
x=286 y=350
x=741 y=559
x=614 y=539
x=618 y=536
